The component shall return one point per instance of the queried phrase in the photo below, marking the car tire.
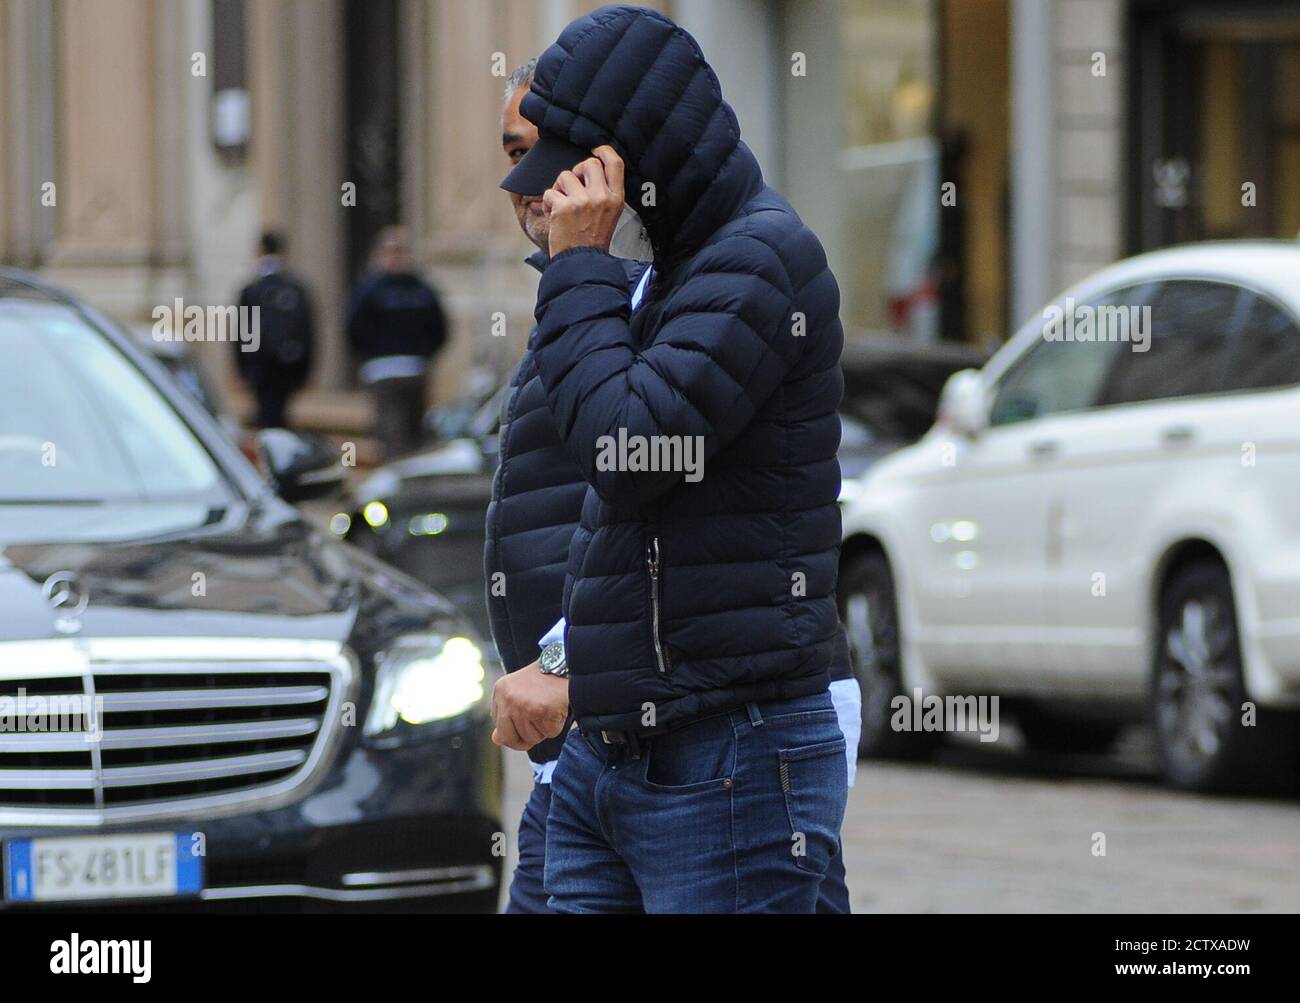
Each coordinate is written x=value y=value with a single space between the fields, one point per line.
x=869 y=610
x=1052 y=731
x=1198 y=691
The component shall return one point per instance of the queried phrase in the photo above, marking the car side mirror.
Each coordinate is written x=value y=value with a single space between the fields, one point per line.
x=300 y=467
x=964 y=404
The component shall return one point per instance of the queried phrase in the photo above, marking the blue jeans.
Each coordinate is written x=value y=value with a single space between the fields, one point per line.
x=833 y=895
x=737 y=812
x=527 y=896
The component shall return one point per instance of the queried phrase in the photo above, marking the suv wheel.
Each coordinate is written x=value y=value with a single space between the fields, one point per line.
x=1198 y=690
x=869 y=611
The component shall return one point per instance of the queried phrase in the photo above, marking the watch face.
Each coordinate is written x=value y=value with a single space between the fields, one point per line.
x=552 y=657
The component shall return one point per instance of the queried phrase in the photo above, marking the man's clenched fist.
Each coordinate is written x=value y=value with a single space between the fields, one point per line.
x=585 y=203
x=528 y=707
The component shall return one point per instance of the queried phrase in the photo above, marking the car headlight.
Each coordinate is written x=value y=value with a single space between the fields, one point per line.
x=422 y=680
x=376 y=514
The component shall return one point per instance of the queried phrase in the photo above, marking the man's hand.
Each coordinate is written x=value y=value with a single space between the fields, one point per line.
x=585 y=204
x=528 y=707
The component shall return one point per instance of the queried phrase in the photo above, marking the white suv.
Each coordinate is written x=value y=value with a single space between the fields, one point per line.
x=1104 y=522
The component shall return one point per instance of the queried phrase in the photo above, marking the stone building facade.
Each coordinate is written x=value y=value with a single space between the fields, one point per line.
x=162 y=176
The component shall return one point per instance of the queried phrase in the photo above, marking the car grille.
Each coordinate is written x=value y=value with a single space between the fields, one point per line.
x=175 y=726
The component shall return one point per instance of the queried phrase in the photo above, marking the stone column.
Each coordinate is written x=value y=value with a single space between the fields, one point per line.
x=741 y=39
x=813 y=135
x=296 y=81
x=106 y=101
x=1034 y=207
x=173 y=78
x=27 y=87
x=6 y=134
x=1089 y=139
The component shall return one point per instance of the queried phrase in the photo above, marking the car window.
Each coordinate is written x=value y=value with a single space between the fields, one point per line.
x=487 y=420
x=854 y=434
x=1188 y=328
x=1265 y=350
x=80 y=423
x=1065 y=368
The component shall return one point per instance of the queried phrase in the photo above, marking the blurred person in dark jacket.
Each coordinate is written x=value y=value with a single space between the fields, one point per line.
x=396 y=325
x=287 y=323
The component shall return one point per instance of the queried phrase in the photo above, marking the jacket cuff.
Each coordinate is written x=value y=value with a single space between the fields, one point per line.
x=581 y=266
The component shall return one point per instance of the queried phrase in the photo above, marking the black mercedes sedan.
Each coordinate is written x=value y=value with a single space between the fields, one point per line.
x=204 y=701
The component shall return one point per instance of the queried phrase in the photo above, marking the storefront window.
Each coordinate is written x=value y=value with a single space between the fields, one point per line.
x=889 y=71
x=1219 y=143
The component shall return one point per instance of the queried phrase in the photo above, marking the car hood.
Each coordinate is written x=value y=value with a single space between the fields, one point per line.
x=171 y=570
x=454 y=473
x=458 y=458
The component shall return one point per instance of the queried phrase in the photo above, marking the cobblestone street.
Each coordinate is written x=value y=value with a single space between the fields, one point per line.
x=982 y=831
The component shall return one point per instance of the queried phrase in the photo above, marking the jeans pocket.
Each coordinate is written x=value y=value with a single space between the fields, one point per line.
x=814 y=780
x=701 y=757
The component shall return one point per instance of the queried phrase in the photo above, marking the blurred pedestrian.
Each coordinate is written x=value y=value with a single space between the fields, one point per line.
x=396 y=325
x=287 y=324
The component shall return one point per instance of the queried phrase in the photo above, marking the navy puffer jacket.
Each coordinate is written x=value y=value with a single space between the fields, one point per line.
x=537 y=497
x=684 y=597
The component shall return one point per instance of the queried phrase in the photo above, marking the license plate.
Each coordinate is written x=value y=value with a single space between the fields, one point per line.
x=85 y=868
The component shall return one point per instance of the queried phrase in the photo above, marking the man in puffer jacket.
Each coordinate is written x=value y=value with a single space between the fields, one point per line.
x=708 y=770
x=536 y=502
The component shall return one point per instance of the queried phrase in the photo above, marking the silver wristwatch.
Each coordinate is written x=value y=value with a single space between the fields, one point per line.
x=553 y=661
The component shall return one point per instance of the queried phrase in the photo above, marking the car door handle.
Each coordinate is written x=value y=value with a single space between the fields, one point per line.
x=1179 y=435
x=1043 y=450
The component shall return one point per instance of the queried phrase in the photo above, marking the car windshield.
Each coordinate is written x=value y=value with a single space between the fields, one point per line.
x=79 y=423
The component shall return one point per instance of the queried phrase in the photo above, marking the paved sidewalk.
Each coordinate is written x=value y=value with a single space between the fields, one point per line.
x=986 y=831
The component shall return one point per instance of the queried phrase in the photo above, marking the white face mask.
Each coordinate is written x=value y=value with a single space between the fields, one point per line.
x=630 y=239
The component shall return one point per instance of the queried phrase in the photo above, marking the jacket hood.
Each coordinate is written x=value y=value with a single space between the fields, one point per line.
x=631 y=78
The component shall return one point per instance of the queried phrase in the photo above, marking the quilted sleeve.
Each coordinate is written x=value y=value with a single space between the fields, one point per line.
x=725 y=343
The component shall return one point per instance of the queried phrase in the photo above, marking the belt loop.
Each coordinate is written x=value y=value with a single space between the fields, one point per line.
x=755 y=718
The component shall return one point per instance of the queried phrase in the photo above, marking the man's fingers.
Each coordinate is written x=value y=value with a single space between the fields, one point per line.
x=522 y=734
x=554 y=726
x=569 y=184
x=613 y=168
x=504 y=734
x=529 y=732
x=496 y=696
x=592 y=174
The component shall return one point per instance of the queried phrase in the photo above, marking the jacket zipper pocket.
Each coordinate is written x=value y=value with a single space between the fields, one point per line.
x=655 y=566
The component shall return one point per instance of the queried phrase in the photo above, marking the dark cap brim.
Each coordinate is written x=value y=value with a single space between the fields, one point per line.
x=547 y=160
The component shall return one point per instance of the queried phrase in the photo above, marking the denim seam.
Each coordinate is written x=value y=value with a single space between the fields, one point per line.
x=736 y=725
